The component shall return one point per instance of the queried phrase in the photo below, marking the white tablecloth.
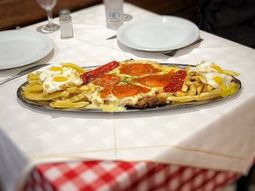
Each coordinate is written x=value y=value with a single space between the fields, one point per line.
x=216 y=136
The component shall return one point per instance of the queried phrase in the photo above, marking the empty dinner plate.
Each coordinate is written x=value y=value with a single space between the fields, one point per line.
x=158 y=33
x=22 y=47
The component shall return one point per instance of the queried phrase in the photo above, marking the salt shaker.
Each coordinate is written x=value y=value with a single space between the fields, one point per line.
x=66 y=25
x=113 y=13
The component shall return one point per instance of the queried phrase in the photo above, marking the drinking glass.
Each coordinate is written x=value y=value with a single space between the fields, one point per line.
x=48 y=6
x=114 y=14
x=127 y=17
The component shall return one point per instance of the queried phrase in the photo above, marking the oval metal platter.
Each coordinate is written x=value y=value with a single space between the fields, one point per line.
x=45 y=106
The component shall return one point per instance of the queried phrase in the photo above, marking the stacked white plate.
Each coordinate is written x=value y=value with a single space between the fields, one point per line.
x=158 y=33
x=22 y=47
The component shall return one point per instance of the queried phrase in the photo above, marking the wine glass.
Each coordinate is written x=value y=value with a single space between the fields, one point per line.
x=48 y=6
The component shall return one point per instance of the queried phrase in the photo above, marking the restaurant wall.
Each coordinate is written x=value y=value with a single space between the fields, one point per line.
x=15 y=13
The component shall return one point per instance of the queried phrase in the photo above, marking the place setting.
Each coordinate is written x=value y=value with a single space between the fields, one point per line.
x=22 y=51
x=158 y=34
x=110 y=89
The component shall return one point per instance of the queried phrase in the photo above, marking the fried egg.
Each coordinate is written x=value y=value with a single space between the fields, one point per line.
x=212 y=74
x=57 y=78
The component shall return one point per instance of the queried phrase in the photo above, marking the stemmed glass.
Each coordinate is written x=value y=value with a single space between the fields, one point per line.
x=48 y=6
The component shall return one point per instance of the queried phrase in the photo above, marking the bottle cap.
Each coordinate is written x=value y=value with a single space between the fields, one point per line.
x=64 y=12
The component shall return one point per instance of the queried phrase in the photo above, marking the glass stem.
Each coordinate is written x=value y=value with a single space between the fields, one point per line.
x=50 y=18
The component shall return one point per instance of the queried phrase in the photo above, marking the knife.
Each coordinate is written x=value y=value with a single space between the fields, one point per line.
x=23 y=72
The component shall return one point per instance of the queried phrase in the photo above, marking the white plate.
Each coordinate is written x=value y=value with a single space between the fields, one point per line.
x=158 y=33
x=22 y=47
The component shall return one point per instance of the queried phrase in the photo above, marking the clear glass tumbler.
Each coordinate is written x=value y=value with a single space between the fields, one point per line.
x=113 y=13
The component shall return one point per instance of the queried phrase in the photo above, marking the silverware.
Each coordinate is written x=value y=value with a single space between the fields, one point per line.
x=173 y=52
x=112 y=37
x=23 y=72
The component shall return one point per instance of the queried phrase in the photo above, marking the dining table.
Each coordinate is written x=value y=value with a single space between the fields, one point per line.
x=204 y=147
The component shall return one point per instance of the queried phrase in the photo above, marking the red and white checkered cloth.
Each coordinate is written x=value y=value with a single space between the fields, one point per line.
x=107 y=175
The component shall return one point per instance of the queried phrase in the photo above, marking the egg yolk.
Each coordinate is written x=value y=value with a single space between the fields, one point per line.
x=138 y=69
x=59 y=79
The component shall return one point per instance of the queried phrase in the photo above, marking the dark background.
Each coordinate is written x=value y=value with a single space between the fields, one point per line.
x=231 y=19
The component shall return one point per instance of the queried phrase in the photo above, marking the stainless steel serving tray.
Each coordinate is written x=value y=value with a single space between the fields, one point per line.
x=44 y=106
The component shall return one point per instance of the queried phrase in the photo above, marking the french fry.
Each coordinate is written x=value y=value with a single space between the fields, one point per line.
x=185 y=88
x=64 y=104
x=32 y=76
x=73 y=90
x=196 y=78
x=34 y=82
x=180 y=93
x=33 y=88
x=200 y=88
x=74 y=66
x=209 y=88
x=203 y=96
x=192 y=90
x=42 y=97
x=79 y=97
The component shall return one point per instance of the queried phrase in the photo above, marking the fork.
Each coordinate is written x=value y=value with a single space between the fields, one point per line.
x=23 y=72
x=173 y=52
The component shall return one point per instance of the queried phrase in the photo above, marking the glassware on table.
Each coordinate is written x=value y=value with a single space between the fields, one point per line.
x=113 y=13
x=127 y=17
x=48 y=6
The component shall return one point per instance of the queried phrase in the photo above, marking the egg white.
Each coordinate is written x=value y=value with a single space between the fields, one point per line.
x=209 y=72
x=68 y=77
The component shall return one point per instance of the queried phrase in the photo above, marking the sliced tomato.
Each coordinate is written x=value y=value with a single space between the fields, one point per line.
x=105 y=92
x=138 y=69
x=93 y=74
x=107 y=80
x=127 y=90
x=155 y=80
x=176 y=81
